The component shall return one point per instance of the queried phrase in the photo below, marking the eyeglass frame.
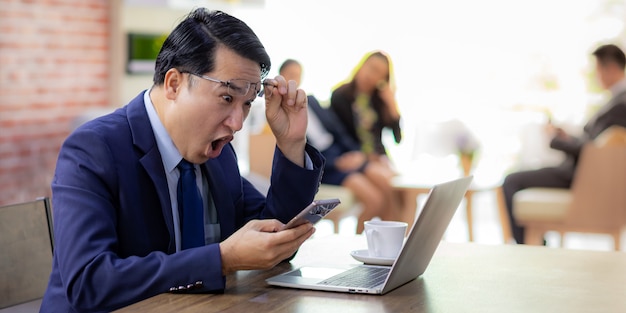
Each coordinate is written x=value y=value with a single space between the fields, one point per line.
x=229 y=83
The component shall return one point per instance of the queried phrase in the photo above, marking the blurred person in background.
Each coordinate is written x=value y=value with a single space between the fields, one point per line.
x=610 y=66
x=366 y=104
x=346 y=164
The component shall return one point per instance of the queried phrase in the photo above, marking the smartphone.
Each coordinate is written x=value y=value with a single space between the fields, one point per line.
x=313 y=212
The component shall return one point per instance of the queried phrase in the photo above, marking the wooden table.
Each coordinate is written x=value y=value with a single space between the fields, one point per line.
x=462 y=277
x=408 y=190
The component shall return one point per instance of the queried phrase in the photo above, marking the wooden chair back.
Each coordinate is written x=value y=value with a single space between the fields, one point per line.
x=261 y=152
x=598 y=198
x=599 y=189
x=27 y=245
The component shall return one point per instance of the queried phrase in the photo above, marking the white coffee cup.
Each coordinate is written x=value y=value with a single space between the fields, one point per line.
x=384 y=238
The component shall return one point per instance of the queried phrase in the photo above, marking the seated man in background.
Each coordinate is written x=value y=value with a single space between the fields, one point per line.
x=610 y=66
x=149 y=199
x=346 y=164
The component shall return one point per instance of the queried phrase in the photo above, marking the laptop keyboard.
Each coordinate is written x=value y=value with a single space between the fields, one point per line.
x=360 y=277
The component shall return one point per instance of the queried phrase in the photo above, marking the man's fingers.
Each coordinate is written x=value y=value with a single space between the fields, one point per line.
x=286 y=92
x=291 y=239
x=269 y=226
x=297 y=239
x=291 y=93
x=296 y=232
x=301 y=100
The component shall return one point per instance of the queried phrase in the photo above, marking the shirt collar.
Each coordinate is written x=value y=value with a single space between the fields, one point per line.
x=170 y=155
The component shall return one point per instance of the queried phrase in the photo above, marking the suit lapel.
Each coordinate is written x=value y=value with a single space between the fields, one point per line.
x=143 y=138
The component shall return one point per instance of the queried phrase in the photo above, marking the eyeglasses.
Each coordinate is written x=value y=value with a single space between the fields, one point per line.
x=241 y=87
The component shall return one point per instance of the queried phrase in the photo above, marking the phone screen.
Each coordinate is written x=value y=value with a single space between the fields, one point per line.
x=313 y=212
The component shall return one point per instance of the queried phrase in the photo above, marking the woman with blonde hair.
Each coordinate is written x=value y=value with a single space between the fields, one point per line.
x=366 y=103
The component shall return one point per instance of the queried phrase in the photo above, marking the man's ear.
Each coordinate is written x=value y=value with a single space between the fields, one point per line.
x=172 y=83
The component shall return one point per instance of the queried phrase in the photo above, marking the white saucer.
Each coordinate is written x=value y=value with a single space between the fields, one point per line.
x=364 y=256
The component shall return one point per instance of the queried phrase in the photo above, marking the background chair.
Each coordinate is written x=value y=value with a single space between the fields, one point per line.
x=27 y=246
x=261 y=150
x=596 y=202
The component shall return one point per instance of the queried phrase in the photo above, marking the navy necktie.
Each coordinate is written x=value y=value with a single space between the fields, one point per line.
x=190 y=209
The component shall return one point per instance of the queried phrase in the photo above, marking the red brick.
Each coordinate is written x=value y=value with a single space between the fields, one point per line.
x=53 y=66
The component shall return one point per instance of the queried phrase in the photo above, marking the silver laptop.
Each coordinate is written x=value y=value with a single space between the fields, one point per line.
x=419 y=248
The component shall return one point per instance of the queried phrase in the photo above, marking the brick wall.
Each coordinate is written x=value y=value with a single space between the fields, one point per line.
x=54 y=60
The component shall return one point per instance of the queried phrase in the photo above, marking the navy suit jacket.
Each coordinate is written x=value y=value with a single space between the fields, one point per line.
x=612 y=113
x=333 y=125
x=112 y=214
x=342 y=141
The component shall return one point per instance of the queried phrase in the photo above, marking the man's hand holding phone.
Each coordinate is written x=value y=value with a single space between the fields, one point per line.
x=258 y=245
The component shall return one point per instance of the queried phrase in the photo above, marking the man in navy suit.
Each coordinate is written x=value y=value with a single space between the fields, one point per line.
x=610 y=65
x=116 y=218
